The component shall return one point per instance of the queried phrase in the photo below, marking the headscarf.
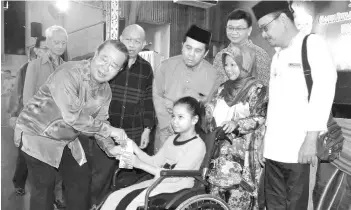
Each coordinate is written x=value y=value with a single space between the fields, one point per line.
x=235 y=90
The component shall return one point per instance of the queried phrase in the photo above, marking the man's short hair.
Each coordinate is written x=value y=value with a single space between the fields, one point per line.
x=39 y=39
x=116 y=44
x=50 y=31
x=239 y=14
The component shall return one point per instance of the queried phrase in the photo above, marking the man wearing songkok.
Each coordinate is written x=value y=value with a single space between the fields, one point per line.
x=294 y=121
x=183 y=75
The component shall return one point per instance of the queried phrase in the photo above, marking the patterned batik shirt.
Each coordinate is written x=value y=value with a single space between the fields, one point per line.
x=67 y=104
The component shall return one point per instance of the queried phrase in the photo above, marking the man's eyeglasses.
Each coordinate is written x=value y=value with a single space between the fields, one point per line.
x=237 y=29
x=265 y=27
x=111 y=66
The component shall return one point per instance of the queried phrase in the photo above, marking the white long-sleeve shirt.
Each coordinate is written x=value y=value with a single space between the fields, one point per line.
x=290 y=115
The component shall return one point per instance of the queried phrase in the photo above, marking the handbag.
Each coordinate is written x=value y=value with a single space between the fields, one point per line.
x=329 y=144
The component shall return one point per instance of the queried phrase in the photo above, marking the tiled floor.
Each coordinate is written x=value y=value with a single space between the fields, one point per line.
x=9 y=201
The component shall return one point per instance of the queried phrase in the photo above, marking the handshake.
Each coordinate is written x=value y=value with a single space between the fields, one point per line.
x=124 y=152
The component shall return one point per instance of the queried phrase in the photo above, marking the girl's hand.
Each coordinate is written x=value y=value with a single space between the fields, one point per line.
x=229 y=126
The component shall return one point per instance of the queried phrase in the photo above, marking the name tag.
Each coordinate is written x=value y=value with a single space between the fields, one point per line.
x=294 y=65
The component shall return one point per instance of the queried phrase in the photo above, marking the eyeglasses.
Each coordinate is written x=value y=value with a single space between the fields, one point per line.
x=237 y=29
x=105 y=61
x=265 y=27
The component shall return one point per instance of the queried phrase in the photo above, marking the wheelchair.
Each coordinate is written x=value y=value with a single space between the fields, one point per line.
x=192 y=198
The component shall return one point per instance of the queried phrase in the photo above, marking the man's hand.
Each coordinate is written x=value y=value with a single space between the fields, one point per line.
x=229 y=126
x=119 y=135
x=12 y=122
x=115 y=151
x=308 y=150
x=145 y=137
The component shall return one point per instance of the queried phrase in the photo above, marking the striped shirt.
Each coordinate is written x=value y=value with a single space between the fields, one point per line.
x=131 y=107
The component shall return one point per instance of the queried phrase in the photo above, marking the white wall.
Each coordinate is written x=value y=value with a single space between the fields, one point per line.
x=80 y=21
x=159 y=35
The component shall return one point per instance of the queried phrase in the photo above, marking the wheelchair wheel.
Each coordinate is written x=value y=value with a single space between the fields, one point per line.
x=203 y=202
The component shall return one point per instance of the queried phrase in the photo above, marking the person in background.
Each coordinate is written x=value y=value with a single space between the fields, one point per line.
x=293 y=122
x=37 y=73
x=39 y=70
x=188 y=74
x=15 y=107
x=238 y=30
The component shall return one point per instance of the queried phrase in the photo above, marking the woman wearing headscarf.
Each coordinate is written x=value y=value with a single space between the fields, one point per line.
x=239 y=106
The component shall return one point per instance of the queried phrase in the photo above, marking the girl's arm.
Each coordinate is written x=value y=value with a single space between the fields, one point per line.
x=155 y=160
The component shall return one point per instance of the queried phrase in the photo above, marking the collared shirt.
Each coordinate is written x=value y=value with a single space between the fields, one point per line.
x=290 y=115
x=67 y=104
x=261 y=61
x=38 y=71
x=173 y=80
x=131 y=107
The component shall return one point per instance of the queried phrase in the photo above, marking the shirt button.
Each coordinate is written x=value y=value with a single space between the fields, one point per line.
x=123 y=107
x=187 y=81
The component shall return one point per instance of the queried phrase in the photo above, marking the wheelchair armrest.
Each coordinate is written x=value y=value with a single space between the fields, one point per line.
x=180 y=173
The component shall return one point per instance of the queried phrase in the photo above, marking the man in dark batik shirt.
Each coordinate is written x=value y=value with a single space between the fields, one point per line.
x=131 y=108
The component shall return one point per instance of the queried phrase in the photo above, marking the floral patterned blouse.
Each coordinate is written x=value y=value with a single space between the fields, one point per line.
x=237 y=168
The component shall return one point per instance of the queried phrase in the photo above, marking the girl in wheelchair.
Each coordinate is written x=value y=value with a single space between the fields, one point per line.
x=240 y=107
x=183 y=151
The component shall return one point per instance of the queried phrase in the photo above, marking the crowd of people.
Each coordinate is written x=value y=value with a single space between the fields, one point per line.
x=71 y=118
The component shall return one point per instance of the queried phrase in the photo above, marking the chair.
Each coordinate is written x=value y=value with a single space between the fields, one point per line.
x=193 y=198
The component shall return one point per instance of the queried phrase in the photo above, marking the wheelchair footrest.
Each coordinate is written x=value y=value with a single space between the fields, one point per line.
x=168 y=201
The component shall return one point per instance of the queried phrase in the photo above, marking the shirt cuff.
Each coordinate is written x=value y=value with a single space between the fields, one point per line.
x=105 y=130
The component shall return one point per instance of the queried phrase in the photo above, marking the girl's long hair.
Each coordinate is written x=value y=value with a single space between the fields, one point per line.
x=195 y=108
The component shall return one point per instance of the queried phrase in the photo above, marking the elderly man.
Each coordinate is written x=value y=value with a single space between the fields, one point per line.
x=74 y=99
x=238 y=30
x=131 y=108
x=40 y=69
x=183 y=75
x=294 y=121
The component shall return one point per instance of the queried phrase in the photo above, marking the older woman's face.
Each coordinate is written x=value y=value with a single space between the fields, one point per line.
x=231 y=68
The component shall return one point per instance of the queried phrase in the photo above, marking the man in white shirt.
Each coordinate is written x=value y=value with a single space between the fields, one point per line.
x=293 y=122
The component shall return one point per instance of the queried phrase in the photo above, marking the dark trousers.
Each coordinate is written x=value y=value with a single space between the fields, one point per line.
x=102 y=169
x=76 y=179
x=286 y=185
x=21 y=171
